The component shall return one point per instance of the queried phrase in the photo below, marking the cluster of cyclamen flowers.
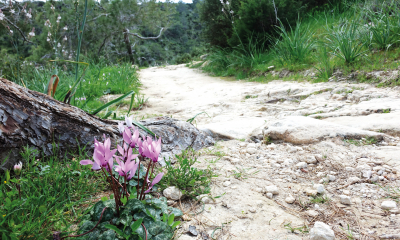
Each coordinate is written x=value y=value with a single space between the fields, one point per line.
x=126 y=164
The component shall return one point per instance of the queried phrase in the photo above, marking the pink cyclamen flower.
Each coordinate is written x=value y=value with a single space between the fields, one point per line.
x=102 y=155
x=126 y=152
x=128 y=168
x=154 y=182
x=18 y=168
x=150 y=148
x=130 y=139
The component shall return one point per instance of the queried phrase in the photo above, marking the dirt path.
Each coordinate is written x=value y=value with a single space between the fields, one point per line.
x=342 y=135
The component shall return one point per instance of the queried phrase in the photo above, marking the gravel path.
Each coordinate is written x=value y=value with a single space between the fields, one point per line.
x=330 y=140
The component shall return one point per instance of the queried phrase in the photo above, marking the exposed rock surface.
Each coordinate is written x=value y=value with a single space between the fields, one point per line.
x=253 y=164
x=305 y=130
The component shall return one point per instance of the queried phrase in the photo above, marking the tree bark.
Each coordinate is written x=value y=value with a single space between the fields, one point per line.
x=29 y=118
x=128 y=46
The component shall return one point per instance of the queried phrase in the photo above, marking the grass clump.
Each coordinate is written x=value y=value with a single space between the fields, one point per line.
x=345 y=42
x=190 y=180
x=294 y=46
x=48 y=195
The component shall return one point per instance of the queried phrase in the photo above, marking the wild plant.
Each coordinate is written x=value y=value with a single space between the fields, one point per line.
x=384 y=28
x=345 y=41
x=18 y=21
x=325 y=67
x=135 y=212
x=294 y=45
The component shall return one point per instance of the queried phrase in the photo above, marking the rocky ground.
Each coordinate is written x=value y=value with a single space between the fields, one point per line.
x=305 y=161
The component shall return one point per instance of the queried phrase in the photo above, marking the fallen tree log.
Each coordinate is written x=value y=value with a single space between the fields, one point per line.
x=29 y=118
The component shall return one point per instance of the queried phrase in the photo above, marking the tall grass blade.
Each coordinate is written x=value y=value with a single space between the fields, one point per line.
x=117 y=100
x=132 y=101
x=143 y=127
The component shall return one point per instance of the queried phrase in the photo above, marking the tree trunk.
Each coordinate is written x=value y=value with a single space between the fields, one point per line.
x=39 y=121
x=128 y=46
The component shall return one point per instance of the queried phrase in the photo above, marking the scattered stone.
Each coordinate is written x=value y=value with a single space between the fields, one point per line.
x=235 y=160
x=367 y=174
x=374 y=179
x=320 y=188
x=349 y=169
x=388 y=205
x=311 y=192
x=321 y=231
x=205 y=198
x=272 y=189
x=319 y=157
x=331 y=178
x=251 y=150
x=252 y=210
x=301 y=165
x=312 y=213
x=345 y=200
x=346 y=192
x=193 y=231
x=353 y=180
x=269 y=195
x=226 y=184
x=170 y=202
x=172 y=193
x=260 y=190
x=290 y=199
x=311 y=160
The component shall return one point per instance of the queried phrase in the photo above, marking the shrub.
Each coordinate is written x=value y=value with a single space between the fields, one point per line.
x=184 y=58
x=250 y=17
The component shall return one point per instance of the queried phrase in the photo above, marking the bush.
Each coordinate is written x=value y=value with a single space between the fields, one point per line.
x=250 y=17
x=184 y=58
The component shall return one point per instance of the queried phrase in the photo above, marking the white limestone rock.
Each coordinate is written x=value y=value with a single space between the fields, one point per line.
x=388 y=205
x=346 y=200
x=321 y=231
x=272 y=189
x=172 y=193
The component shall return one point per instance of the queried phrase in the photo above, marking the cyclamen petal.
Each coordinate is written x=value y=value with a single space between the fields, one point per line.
x=128 y=121
x=127 y=135
x=86 y=162
x=155 y=181
x=120 y=150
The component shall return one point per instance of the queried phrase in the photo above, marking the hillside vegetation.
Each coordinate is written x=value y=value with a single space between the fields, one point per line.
x=349 y=36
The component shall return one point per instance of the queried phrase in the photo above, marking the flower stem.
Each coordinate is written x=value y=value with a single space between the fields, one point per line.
x=115 y=190
x=138 y=178
x=144 y=181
